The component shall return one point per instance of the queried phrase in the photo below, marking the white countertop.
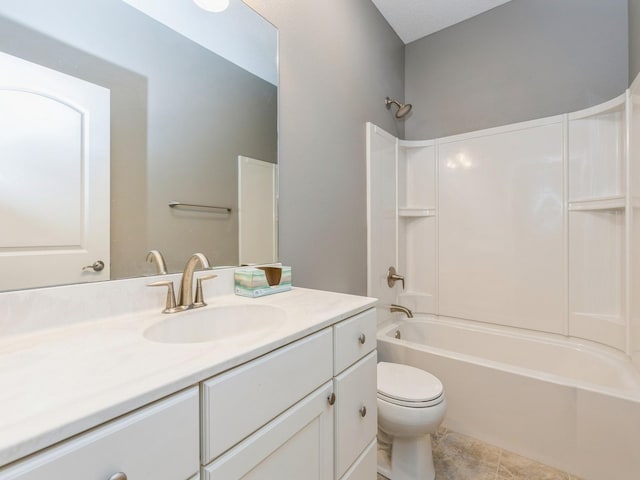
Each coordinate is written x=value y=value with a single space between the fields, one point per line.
x=62 y=381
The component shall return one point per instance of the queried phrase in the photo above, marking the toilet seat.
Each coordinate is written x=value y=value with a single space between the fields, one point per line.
x=408 y=386
x=403 y=403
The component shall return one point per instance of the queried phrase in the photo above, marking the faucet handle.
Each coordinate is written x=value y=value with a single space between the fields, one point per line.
x=393 y=277
x=170 y=305
x=199 y=300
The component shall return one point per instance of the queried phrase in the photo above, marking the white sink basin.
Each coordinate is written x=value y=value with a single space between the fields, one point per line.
x=237 y=323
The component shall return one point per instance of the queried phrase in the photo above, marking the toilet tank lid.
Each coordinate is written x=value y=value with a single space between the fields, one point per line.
x=406 y=383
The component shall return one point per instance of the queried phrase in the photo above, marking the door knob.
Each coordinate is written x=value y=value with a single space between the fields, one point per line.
x=331 y=398
x=363 y=411
x=96 y=267
x=118 y=476
x=393 y=277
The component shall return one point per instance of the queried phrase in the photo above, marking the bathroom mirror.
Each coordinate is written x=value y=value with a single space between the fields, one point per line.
x=181 y=101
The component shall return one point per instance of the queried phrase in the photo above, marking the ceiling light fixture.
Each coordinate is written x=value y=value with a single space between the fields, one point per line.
x=215 y=6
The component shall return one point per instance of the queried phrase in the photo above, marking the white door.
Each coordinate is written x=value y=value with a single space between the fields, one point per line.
x=257 y=211
x=54 y=177
x=296 y=445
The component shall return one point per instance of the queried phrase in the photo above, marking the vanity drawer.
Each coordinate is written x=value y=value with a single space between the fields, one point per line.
x=355 y=389
x=353 y=339
x=158 y=442
x=237 y=403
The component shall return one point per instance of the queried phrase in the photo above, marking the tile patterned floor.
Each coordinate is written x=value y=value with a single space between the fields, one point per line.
x=458 y=457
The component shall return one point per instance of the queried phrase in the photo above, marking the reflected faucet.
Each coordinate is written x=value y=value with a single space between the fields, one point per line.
x=400 y=308
x=185 y=296
x=159 y=259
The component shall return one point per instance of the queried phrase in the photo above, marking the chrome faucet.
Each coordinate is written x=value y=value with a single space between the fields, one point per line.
x=185 y=295
x=159 y=259
x=400 y=308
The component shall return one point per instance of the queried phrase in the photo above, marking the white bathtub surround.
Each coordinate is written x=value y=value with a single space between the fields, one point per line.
x=568 y=404
x=531 y=225
x=633 y=234
x=513 y=225
x=74 y=357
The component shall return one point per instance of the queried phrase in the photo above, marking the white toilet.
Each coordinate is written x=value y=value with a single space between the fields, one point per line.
x=411 y=406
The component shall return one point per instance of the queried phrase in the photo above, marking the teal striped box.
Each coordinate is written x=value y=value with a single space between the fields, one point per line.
x=252 y=282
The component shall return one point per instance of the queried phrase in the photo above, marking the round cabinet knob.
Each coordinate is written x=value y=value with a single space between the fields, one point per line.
x=331 y=398
x=97 y=267
x=363 y=411
x=118 y=476
x=362 y=338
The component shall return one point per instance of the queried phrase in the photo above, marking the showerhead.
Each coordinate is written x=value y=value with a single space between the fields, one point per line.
x=403 y=108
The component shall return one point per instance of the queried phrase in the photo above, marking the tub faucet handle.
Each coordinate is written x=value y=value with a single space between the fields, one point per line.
x=393 y=277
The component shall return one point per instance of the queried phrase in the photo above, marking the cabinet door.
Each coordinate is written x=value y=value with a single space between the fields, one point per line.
x=365 y=467
x=296 y=445
x=158 y=442
x=356 y=411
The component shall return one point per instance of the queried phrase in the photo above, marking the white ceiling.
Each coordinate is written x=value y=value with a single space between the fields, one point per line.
x=414 y=19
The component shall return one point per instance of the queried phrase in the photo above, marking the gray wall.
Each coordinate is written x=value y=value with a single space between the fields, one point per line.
x=634 y=39
x=526 y=59
x=338 y=61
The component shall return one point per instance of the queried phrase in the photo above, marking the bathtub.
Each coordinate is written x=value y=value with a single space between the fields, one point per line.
x=571 y=404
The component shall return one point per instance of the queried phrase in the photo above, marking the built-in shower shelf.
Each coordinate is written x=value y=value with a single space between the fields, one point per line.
x=600 y=317
x=617 y=202
x=416 y=212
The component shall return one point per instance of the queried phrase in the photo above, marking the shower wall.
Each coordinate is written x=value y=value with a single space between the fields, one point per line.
x=531 y=225
x=634 y=189
x=501 y=226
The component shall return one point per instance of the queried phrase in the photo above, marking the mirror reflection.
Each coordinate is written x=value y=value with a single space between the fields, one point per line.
x=107 y=116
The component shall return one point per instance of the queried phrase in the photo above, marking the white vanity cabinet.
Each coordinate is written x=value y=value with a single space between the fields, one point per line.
x=328 y=434
x=159 y=442
x=306 y=410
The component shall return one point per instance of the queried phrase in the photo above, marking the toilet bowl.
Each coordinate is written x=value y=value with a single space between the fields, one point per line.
x=411 y=406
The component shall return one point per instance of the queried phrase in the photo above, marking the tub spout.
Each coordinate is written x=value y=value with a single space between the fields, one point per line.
x=400 y=308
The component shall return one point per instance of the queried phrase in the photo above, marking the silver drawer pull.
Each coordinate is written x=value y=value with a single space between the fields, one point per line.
x=363 y=411
x=118 y=476
x=331 y=398
x=362 y=338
